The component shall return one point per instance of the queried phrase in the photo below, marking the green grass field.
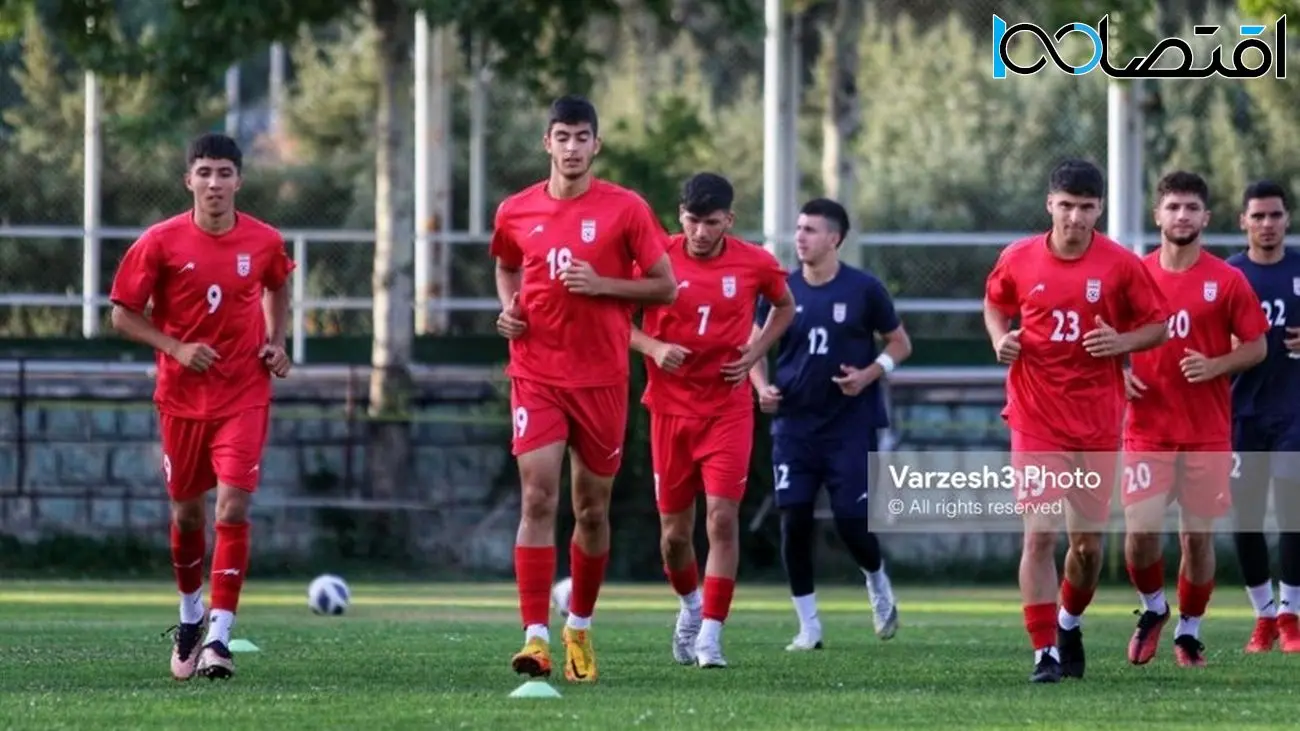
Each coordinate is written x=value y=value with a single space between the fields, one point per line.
x=87 y=656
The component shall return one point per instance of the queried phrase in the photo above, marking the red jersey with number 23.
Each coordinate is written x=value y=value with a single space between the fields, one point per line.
x=207 y=289
x=712 y=317
x=574 y=340
x=1209 y=303
x=1056 y=390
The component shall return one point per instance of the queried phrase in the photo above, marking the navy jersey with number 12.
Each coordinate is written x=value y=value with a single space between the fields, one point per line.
x=1272 y=388
x=835 y=323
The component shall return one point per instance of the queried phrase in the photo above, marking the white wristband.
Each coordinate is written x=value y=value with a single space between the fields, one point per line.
x=885 y=362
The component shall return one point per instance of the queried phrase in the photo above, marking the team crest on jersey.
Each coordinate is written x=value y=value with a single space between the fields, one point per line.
x=728 y=286
x=588 y=230
x=1211 y=291
x=1295 y=286
x=1093 y=290
x=839 y=311
x=243 y=265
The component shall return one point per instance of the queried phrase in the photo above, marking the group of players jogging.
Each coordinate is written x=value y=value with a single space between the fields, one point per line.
x=577 y=257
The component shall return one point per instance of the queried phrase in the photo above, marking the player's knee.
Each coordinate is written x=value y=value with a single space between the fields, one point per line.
x=590 y=512
x=1196 y=544
x=674 y=541
x=539 y=500
x=1039 y=542
x=1086 y=547
x=723 y=522
x=233 y=504
x=188 y=516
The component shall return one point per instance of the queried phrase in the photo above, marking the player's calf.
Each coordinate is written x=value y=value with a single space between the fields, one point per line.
x=683 y=574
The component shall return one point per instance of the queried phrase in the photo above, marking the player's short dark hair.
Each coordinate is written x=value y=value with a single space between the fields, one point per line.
x=1181 y=181
x=1265 y=189
x=573 y=110
x=1076 y=176
x=707 y=193
x=214 y=146
x=833 y=212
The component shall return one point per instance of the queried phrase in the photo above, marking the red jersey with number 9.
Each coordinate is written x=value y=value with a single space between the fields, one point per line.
x=1209 y=303
x=207 y=289
x=712 y=317
x=574 y=340
x=1056 y=390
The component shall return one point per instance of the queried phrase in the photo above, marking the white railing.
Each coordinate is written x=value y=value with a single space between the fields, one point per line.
x=300 y=239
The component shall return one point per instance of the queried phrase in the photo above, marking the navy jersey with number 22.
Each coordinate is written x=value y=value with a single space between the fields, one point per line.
x=1272 y=388
x=835 y=323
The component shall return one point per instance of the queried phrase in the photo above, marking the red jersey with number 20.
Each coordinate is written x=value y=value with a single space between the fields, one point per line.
x=207 y=289
x=1056 y=390
x=574 y=340
x=1209 y=303
x=712 y=317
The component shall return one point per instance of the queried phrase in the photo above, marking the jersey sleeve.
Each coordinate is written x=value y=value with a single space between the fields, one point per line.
x=1249 y=322
x=1000 y=287
x=133 y=284
x=504 y=248
x=278 y=268
x=647 y=241
x=881 y=316
x=1144 y=304
x=771 y=278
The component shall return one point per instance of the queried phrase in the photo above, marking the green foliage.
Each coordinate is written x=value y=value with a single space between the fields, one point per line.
x=1269 y=9
x=655 y=162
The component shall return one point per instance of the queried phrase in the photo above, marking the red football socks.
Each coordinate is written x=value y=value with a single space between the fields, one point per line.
x=229 y=565
x=1073 y=599
x=1149 y=579
x=685 y=580
x=588 y=575
x=717 y=597
x=534 y=574
x=1193 y=598
x=188 y=550
x=1040 y=622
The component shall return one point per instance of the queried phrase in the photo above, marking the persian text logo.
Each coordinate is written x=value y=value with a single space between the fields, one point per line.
x=1143 y=67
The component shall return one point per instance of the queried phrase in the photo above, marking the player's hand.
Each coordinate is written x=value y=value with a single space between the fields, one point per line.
x=580 y=278
x=1009 y=347
x=1104 y=342
x=1133 y=386
x=276 y=360
x=196 y=356
x=852 y=380
x=1292 y=342
x=510 y=323
x=1197 y=368
x=769 y=399
x=737 y=371
x=670 y=357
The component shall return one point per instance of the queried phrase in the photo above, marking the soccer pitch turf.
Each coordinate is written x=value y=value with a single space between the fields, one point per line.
x=436 y=656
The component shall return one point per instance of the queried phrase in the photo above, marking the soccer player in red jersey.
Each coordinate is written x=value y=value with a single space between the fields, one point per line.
x=567 y=250
x=699 y=351
x=217 y=280
x=1178 y=437
x=1083 y=302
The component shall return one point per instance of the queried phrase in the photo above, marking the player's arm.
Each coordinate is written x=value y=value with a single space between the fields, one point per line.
x=133 y=286
x=668 y=356
x=886 y=323
x=647 y=245
x=1249 y=331
x=509 y=277
x=1146 y=308
x=1001 y=304
x=779 y=317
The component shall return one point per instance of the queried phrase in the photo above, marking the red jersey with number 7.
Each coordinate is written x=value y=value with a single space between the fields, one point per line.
x=712 y=317
x=1209 y=303
x=1056 y=390
x=574 y=340
x=207 y=289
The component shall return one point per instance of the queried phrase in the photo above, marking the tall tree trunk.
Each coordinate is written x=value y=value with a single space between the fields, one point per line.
x=389 y=455
x=842 y=118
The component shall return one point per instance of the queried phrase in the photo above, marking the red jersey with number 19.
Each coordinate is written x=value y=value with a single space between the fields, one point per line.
x=712 y=317
x=1209 y=303
x=574 y=340
x=1056 y=390
x=207 y=289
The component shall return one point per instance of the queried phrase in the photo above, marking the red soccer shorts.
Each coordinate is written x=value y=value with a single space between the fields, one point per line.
x=199 y=453
x=1198 y=476
x=1085 y=479
x=693 y=454
x=592 y=420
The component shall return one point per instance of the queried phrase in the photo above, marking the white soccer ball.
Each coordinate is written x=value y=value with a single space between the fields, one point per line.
x=328 y=594
x=560 y=594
